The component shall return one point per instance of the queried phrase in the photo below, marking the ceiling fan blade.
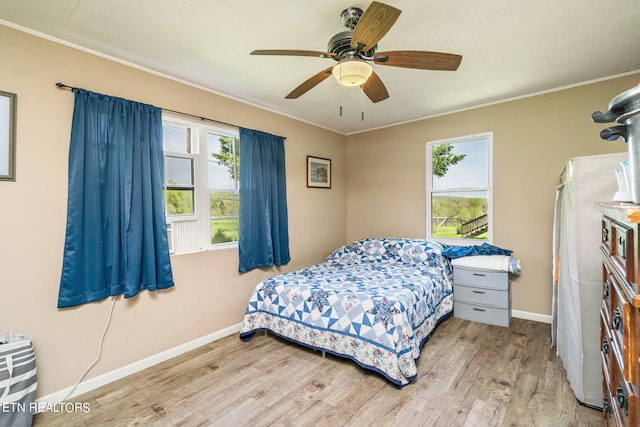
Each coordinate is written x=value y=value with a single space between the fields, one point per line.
x=421 y=60
x=373 y=25
x=309 y=84
x=293 y=52
x=375 y=89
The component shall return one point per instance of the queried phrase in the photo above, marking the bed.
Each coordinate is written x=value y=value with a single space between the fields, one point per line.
x=376 y=301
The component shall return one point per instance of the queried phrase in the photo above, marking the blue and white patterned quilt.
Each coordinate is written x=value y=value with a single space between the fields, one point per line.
x=375 y=301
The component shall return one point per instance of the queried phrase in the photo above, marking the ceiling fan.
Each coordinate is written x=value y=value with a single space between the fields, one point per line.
x=355 y=48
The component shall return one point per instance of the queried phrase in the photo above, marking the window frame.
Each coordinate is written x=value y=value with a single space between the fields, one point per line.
x=166 y=186
x=193 y=156
x=201 y=218
x=488 y=136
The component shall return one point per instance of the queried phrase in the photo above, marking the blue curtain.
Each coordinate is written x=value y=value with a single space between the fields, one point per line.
x=264 y=227
x=116 y=239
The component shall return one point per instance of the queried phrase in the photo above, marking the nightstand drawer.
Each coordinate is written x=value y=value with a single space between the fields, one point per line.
x=481 y=296
x=487 y=279
x=480 y=313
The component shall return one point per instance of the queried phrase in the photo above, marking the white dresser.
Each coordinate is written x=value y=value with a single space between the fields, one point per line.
x=482 y=295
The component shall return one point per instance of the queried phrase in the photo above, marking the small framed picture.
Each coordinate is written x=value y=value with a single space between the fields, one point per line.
x=7 y=136
x=318 y=172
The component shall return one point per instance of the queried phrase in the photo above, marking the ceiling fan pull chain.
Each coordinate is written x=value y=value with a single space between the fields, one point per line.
x=340 y=65
x=361 y=104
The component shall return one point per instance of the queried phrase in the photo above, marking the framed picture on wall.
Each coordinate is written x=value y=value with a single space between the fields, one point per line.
x=318 y=172
x=7 y=136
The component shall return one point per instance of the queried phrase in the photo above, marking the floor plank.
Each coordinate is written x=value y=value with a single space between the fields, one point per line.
x=469 y=374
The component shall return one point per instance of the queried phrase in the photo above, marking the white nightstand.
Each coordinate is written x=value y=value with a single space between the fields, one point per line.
x=482 y=295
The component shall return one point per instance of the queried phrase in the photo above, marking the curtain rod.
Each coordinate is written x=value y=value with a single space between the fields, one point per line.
x=64 y=86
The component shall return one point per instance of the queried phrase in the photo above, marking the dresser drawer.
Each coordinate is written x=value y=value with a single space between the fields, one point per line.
x=606 y=234
x=610 y=412
x=621 y=249
x=624 y=323
x=623 y=394
x=479 y=313
x=480 y=296
x=609 y=416
x=617 y=312
x=487 y=279
x=606 y=347
x=607 y=294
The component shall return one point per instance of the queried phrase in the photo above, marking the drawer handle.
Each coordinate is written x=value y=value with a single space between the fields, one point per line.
x=605 y=234
x=621 y=398
x=606 y=408
x=617 y=318
x=605 y=288
x=623 y=247
x=478 y=309
x=479 y=274
x=605 y=346
x=479 y=292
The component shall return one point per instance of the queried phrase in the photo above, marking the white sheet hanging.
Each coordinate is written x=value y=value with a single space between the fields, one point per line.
x=577 y=271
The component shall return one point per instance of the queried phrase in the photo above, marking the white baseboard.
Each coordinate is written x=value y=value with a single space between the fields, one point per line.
x=99 y=381
x=544 y=318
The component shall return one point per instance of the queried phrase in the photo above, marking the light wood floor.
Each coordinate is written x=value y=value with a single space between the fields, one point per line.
x=469 y=374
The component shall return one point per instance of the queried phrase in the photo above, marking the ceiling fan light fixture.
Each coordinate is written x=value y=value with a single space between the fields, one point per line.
x=352 y=72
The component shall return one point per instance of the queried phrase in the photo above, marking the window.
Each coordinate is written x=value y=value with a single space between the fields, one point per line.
x=459 y=189
x=201 y=184
x=179 y=169
x=223 y=172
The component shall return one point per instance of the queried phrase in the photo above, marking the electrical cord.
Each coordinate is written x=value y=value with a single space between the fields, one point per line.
x=104 y=333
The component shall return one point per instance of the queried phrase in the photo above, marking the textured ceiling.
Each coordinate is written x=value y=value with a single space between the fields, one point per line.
x=510 y=48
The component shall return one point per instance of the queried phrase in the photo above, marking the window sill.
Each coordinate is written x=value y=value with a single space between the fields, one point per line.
x=216 y=248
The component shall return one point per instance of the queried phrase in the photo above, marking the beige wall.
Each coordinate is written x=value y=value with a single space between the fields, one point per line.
x=532 y=139
x=209 y=294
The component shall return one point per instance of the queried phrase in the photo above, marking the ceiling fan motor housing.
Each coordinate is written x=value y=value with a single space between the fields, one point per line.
x=340 y=45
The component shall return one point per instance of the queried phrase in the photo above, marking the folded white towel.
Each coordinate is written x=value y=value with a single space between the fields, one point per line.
x=489 y=262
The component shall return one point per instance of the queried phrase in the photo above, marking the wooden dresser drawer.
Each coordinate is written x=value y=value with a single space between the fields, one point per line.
x=487 y=279
x=482 y=313
x=624 y=324
x=623 y=393
x=610 y=417
x=607 y=294
x=618 y=313
x=610 y=412
x=606 y=347
x=622 y=249
x=606 y=234
x=474 y=295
